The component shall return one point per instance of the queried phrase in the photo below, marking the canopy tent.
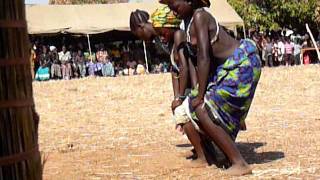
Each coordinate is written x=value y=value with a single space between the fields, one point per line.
x=98 y=18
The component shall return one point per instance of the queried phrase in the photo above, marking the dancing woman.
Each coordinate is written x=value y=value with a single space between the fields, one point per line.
x=165 y=26
x=223 y=98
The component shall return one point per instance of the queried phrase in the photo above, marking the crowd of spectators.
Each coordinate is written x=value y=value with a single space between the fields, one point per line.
x=75 y=61
x=285 y=50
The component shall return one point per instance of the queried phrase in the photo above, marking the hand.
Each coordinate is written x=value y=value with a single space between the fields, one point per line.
x=175 y=103
x=179 y=128
x=196 y=102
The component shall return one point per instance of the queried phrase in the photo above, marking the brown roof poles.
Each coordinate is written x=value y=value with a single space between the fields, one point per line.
x=19 y=152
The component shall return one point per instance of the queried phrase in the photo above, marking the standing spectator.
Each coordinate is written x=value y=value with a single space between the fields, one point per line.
x=281 y=51
x=65 y=57
x=80 y=63
x=297 y=52
x=56 y=64
x=288 y=52
x=107 y=69
x=269 y=47
x=275 y=51
x=264 y=51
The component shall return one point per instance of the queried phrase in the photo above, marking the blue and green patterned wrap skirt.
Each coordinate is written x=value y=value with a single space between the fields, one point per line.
x=231 y=90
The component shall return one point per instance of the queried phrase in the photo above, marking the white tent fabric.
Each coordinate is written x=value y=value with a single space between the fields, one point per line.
x=94 y=19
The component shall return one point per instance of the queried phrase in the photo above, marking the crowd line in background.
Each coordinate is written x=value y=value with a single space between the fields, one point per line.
x=67 y=62
x=75 y=61
x=285 y=50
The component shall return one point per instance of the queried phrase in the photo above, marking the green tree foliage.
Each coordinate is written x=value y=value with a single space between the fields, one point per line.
x=275 y=14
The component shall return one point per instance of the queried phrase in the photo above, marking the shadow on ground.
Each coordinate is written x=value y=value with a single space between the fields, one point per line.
x=248 y=150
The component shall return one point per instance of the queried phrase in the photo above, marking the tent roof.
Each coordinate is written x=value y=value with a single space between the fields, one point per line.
x=98 y=18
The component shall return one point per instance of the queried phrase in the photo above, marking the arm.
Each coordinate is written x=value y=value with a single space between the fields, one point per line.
x=179 y=37
x=201 y=22
x=193 y=74
x=175 y=84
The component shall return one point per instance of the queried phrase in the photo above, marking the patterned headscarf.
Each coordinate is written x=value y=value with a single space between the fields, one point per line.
x=164 y=17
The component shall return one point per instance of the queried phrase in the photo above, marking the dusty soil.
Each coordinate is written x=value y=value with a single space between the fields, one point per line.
x=121 y=128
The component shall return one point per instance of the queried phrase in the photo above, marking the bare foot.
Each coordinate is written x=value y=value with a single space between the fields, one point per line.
x=239 y=170
x=197 y=163
x=188 y=155
x=224 y=163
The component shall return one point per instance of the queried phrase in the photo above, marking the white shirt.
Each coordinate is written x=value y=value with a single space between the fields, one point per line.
x=281 y=48
x=64 y=57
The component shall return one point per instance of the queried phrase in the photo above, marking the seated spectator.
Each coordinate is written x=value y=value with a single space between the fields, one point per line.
x=33 y=57
x=89 y=62
x=56 y=64
x=65 y=58
x=160 y=68
x=118 y=69
x=140 y=68
x=126 y=72
x=74 y=65
x=42 y=73
x=131 y=64
x=80 y=63
x=115 y=53
x=102 y=55
x=165 y=67
x=108 y=69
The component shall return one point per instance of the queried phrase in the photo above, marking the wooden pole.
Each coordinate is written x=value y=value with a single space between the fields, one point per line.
x=89 y=45
x=19 y=152
x=145 y=55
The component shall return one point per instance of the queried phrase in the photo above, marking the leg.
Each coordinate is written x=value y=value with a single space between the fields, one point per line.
x=63 y=67
x=224 y=142
x=204 y=153
x=269 y=61
x=69 y=71
x=195 y=139
x=52 y=70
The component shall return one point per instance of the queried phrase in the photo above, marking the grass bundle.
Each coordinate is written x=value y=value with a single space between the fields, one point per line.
x=19 y=154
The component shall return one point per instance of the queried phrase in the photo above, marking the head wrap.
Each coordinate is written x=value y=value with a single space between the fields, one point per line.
x=206 y=3
x=164 y=17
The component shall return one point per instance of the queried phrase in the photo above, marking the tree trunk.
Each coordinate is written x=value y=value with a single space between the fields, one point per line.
x=19 y=152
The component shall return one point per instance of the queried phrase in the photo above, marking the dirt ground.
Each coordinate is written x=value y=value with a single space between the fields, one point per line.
x=121 y=128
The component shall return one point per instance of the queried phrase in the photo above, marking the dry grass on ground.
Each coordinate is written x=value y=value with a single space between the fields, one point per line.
x=120 y=128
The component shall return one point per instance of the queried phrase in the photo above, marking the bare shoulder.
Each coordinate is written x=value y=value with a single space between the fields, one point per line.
x=201 y=16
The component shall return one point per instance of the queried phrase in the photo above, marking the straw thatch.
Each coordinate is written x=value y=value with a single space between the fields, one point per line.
x=121 y=128
x=19 y=154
